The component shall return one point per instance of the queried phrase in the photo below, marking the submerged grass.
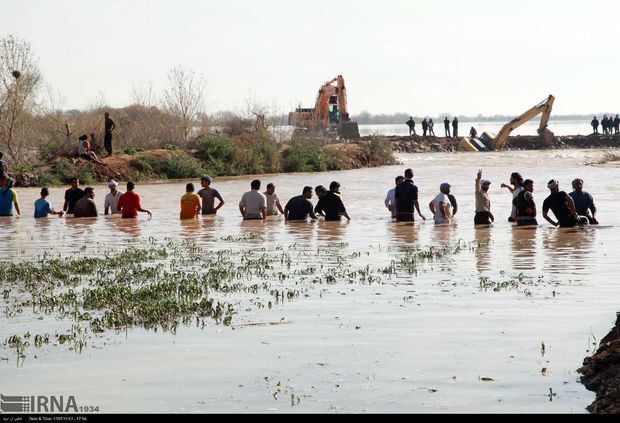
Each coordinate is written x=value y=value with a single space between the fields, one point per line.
x=162 y=285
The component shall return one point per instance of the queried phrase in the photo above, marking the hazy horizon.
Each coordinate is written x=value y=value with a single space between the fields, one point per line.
x=421 y=58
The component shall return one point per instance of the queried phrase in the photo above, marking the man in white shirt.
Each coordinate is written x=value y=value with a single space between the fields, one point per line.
x=390 y=198
x=441 y=206
x=273 y=200
x=111 y=200
x=253 y=204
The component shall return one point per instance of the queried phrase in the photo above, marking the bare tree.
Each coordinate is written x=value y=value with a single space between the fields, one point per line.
x=143 y=94
x=19 y=80
x=185 y=99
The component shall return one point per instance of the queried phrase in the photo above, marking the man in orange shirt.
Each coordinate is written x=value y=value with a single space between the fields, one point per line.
x=190 y=203
x=129 y=203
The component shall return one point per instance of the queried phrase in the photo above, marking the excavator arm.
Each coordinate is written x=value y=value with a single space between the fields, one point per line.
x=543 y=107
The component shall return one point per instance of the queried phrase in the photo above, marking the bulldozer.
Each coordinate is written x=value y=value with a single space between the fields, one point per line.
x=329 y=117
x=496 y=143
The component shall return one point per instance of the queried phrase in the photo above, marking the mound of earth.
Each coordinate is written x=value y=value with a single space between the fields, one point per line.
x=601 y=373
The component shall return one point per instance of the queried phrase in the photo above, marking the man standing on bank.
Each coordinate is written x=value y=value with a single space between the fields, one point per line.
x=107 y=139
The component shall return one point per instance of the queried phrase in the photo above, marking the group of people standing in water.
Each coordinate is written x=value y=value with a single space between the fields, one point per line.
x=576 y=208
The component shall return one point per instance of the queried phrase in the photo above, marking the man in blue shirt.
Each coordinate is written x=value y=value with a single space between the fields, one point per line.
x=584 y=203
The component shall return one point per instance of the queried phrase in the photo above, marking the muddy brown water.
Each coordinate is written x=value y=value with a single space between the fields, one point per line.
x=429 y=342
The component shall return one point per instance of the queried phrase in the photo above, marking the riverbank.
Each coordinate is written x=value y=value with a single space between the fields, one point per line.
x=216 y=159
x=601 y=373
x=418 y=144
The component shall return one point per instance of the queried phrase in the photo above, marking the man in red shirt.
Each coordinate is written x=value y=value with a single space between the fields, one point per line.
x=129 y=203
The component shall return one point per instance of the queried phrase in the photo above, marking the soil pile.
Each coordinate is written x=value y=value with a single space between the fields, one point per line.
x=601 y=373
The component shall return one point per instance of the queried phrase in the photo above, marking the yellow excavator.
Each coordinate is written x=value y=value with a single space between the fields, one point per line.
x=497 y=143
x=330 y=114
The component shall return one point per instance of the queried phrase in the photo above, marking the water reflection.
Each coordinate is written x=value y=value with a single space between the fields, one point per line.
x=129 y=227
x=569 y=249
x=300 y=230
x=443 y=234
x=331 y=231
x=483 y=256
x=524 y=247
x=403 y=233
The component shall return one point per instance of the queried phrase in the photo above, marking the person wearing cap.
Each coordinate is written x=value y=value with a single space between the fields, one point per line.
x=563 y=207
x=516 y=180
x=190 y=203
x=406 y=199
x=390 y=199
x=42 y=207
x=483 y=214
x=273 y=201
x=440 y=206
x=330 y=204
x=111 y=199
x=584 y=203
x=208 y=196
x=526 y=208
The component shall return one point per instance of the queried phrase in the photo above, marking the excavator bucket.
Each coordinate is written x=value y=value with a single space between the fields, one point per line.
x=348 y=131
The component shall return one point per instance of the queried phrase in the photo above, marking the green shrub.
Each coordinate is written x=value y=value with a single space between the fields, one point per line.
x=171 y=147
x=380 y=149
x=304 y=156
x=219 y=154
x=55 y=147
x=178 y=166
x=130 y=151
x=46 y=179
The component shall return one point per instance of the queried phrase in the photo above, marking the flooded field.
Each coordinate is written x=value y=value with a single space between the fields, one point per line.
x=320 y=316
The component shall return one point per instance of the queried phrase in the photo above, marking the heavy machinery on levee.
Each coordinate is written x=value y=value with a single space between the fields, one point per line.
x=489 y=142
x=330 y=116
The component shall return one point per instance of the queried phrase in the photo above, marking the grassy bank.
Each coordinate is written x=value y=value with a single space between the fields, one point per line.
x=216 y=155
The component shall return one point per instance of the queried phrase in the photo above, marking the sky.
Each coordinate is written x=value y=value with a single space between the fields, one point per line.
x=419 y=57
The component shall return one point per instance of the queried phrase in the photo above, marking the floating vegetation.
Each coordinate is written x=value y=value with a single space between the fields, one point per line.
x=162 y=285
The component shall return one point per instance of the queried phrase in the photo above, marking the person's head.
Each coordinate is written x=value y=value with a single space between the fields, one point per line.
x=578 y=184
x=485 y=184
x=130 y=186
x=205 y=181
x=445 y=188
x=112 y=185
x=83 y=137
x=189 y=187
x=553 y=185
x=410 y=117
x=89 y=192
x=399 y=179
x=271 y=188
x=528 y=185
x=75 y=183
x=107 y=115
x=409 y=173
x=516 y=179
x=307 y=192
x=320 y=191
x=44 y=192
x=334 y=186
x=255 y=184
x=2 y=154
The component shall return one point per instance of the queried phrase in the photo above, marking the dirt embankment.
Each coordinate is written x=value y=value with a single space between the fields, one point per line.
x=116 y=167
x=418 y=144
x=122 y=167
x=601 y=373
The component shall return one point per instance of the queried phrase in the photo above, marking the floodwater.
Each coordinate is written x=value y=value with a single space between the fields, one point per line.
x=431 y=341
